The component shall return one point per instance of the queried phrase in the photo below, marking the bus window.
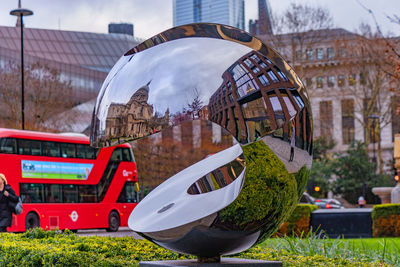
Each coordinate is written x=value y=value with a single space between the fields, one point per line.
x=116 y=155
x=53 y=193
x=128 y=194
x=32 y=193
x=29 y=147
x=81 y=151
x=68 y=150
x=85 y=152
x=91 y=152
x=126 y=154
x=8 y=145
x=87 y=194
x=121 y=154
x=50 y=149
x=70 y=193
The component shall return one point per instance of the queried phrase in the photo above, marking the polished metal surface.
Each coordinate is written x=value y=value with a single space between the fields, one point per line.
x=221 y=130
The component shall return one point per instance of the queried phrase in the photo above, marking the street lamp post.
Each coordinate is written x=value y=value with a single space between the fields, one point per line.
x=21 y=12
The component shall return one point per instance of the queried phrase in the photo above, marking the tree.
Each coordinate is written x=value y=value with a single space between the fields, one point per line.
x=45 y=96
x=299 y=28
x=196 y=105
x=370 y=84
x=355 y=175
x=321 y=170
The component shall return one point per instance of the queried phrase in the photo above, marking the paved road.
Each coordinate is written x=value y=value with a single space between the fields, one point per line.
x=122 y=232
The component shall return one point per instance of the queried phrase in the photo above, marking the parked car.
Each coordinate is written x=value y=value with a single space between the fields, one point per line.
x=328 y=203
x=307 y=199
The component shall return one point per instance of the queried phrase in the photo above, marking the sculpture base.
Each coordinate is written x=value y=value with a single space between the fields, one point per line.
x=225 y=262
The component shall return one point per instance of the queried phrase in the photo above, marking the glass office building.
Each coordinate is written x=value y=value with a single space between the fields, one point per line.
x=229 y=12
x=81 y=58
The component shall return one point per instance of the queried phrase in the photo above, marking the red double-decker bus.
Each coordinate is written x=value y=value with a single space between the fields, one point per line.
x=65 y=183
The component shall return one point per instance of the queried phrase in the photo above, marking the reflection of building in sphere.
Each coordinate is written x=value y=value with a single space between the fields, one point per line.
x=135 y=118
x=176 y=148
x=256 y=99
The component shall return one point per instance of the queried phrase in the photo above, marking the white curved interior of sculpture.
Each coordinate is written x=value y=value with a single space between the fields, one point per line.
x=186 y=208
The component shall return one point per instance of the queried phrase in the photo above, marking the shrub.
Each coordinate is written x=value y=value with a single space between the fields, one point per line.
x=386 y=220
x=298 y=223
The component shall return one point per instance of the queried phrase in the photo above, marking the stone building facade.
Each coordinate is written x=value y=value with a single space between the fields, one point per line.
x=134 y=119
x=335 y=74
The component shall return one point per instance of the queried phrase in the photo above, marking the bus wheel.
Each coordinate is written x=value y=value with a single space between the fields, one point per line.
x=113 y=222
x=32 y=221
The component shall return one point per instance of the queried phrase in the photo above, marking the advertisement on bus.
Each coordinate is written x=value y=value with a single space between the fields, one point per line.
x=55 y=170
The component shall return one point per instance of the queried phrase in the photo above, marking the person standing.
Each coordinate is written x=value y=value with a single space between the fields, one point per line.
x=7 y=194
x=361 y=202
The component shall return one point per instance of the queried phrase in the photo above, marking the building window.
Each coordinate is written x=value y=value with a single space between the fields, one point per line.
x=244 y=80
x=309 y=53
x=352 y=79
x=281 y=74
x=255 y=69
x=263 y=65
x=289 y=105
x=268 y=61
x=347 y=121
x=325 y=117
x=246 y=86
x=330 y=52
x=228 y=84
x=230 y=98
x=320 y=82
x=370 y=109
x=278 y=111
x=273 y=77
x=331 y=81
x=309 y=82
x=255 y=58
x=342 y=52
x=248 y=62
x=363 y=80
x=340 y=80
x=297 y=97
x=299 y=55
x=263 y=79
x=257 y=118
x=320 y=53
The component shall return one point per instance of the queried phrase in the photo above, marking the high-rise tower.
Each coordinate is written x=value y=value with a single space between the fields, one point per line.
x=263 y=25
x=229 y=12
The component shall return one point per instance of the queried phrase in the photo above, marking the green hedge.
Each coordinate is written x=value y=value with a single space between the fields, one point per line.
x=298 y=223
x=50 y=248
x=386 y=220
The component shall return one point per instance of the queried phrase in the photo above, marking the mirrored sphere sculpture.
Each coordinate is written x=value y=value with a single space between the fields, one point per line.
x=221 y=129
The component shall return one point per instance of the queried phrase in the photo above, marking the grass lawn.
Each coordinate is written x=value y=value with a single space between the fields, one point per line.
x=385 y=250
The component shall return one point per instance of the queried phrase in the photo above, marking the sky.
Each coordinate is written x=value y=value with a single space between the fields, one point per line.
x=151 y=17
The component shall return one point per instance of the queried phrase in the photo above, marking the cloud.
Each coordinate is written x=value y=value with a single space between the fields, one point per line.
x=175 y=69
